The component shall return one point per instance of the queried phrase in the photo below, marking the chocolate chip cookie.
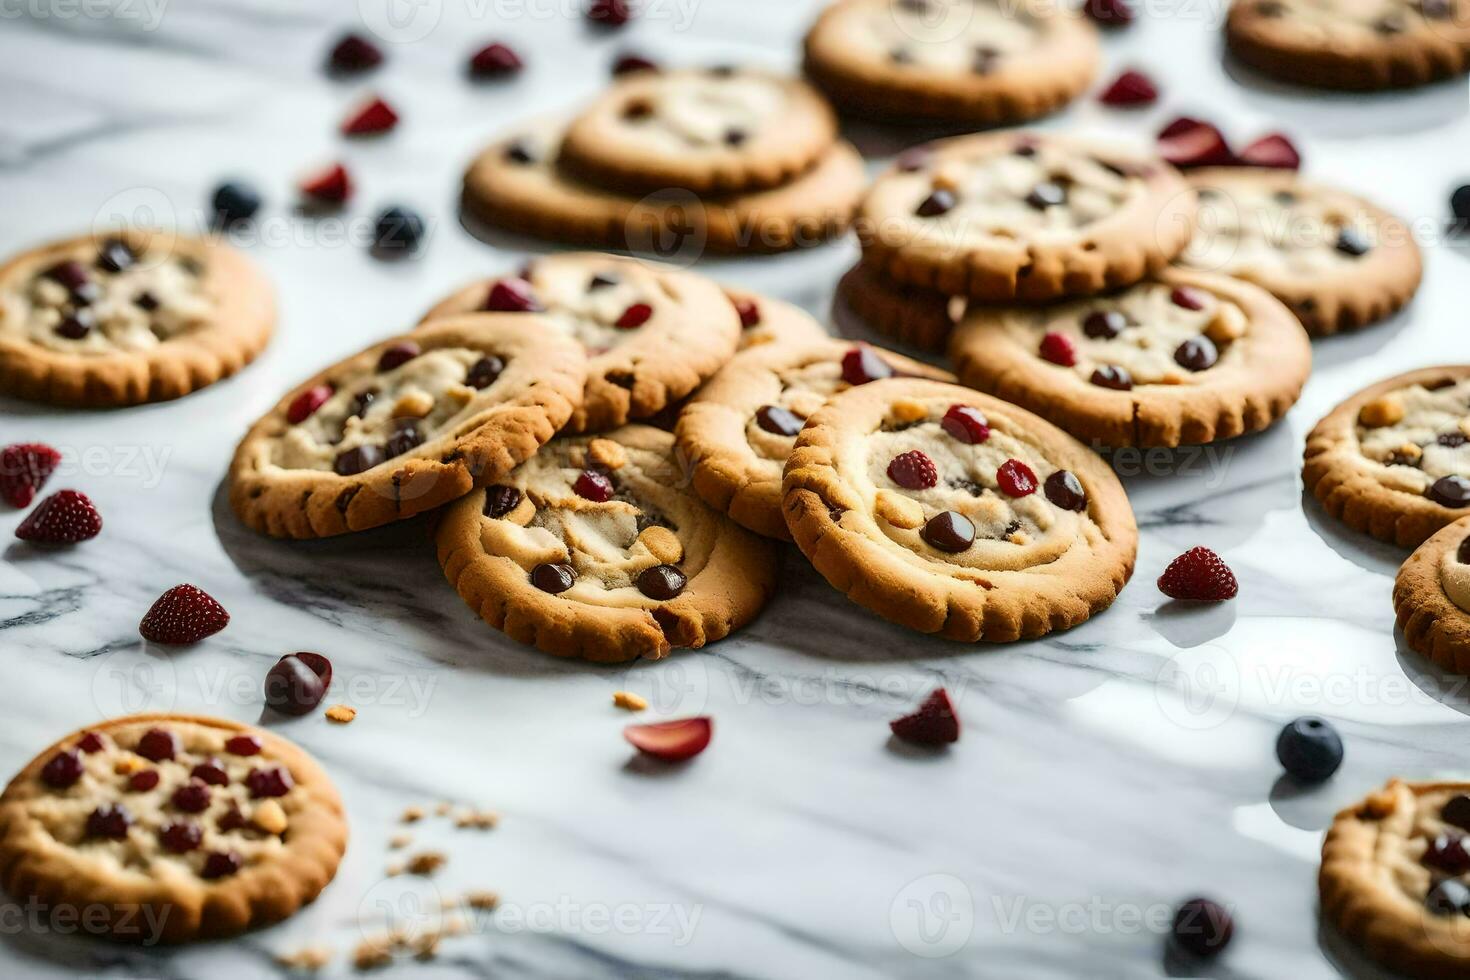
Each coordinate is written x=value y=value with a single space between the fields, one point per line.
x=1394 y=459
x=912 y=315
x=764 y=320
x=597 y=548
x=1006 y=216
x=1431 y=598
x=1338 y=261
x=954 y=513
x=1183 y=359
x=739 y=429
x=975 y=61
x=407 y=425
x=651 y=333
x=128 y=317
x=169 y=828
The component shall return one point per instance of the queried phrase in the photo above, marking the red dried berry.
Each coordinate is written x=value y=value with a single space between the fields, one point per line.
x=1109 y=13
x=1187 y=142
x=304 y=405
x=913 y=470
x=243 y=745
x=192 y=797
x=274 y=781
x=1272 y=150
x=1187 y=297
x=183 y=614
x=1199 y=575
x=210 y=771
x=398 y=355
x=512 y=296
x=332 y=185
x=91 y=742
x=143 y=780
x=609 y=13
x=1130 y=89
x=1016 y=479
x=750 y=313
x=371 y=118
x=495 y=61
x=1058 y=348
x=968 y=425
x=221 y=864
x=354 y=53
x=158 y=745
x=593 y=486
x=65 y=517
x=24 y=469
x=862 y=364
x=180 y=836
x=671 y=741
x=63 y=769
x=935 y=723
x=634 y=316
x=629 y=63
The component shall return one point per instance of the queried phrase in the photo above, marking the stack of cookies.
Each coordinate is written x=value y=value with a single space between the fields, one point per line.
x=721 y=160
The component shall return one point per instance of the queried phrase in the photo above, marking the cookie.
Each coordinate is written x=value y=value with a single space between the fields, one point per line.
x=170 y=828
x=911 y=315
x=764 y=320
x=597 y=548
x=1394 y=459
x=1183 y=359
x=981 y=62
x=1431 y=598
x=950 y=512
x=717 y=131
x=652 y=333
x=1393 y=878
x=407 y=425
x=1004 y=216
x=739 y=429
x=1345 y=44
x=516 y=184
x=1339 y=262
x=128 y=317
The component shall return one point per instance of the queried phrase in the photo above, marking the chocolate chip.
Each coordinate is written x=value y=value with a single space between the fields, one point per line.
x=1113 y=376
x=1349 y=242
x=1104 y=324
x=405 y=438
x=949 y=531
x=1285 y=198
x=519 y=152
x=661 y=582
x=1047 y=195
x=778 y=420
x=398 y=355
x=1196 y=354
x=1392 y=24
x=723 y=71
x=482 y=373
x=355 y=461
x=984 y=60
x=1026 y=147
x=1448 y=853
x=602 y=280
x=638 y=109
x=553 y=578
x=297 y=682
x=1270 y=8
x=1450 y=491
x=76 y=326
x=1457 y=810
x=1435 y=9
x=71 y=274
x=1065 y=490
x=363 y=402
x=501 y=500
x=736 y=137
x=115 y=255
x=900 y=56
x=1452 y=440
x=937 y=203
x=146 y=301
x=969 y=486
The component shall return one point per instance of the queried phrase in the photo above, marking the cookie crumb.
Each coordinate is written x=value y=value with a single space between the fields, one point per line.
x=426 y=947
x=412 y=814
x=312 y=958
x=399 y=841
x=394 y=870
x=485 y=901
x=341 y=713
x=443 y=809
x=628 y=701
x=373 y=953
x=477 y=819
x=426 y=862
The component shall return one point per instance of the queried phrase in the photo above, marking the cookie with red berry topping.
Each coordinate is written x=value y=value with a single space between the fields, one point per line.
x=1394 y=459
x=171 y=828
x=128 y=316
x=1395 y=877
x=764 y=320
x=911 y=315
x=1003 y=216
x=1431 y=598
x=1344 y=44
x=979 y=61
x=652 y=333
x=1338 y=261
x=951 y=512
x=407 y=425
x=739 y=429
x=597 y=548
x=1182 y=359
x=517 y=184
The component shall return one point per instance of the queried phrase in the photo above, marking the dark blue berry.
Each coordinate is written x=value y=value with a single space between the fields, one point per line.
x=1202 y=927
x=235 y=201
x=1309 y=749
x=1460 y=205
x=398 y=231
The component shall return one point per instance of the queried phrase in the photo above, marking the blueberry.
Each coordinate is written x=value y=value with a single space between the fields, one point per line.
x=235 y=201
x=398 y=231
x=1309 y=749
x=1460 y=205
x=1202 y=928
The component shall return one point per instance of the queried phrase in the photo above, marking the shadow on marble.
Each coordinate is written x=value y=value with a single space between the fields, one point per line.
x=1448 y=688
x=1361 y=549
x=878 y=140
x=1307 y=806
x=1190 y=624
x=1346 y=958
x=918 y=753
x=1358 y=346
x=1180 y=964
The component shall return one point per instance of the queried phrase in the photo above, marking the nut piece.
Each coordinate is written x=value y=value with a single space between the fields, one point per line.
x=426 y=862
x=373 y=953
x=477 y=819
x=485 y=901
x=460 y=394
x=399 y=841
x=412 y=814
x=898 y=510
x=908 y=410
x=628 y=701
x=662 y=543
x=605 y=452
x=1229 y=324
x=269 y=817
x=413 y=405
x=311 y=959
x=341 y=713
x=1386 y=410
x=128 y=765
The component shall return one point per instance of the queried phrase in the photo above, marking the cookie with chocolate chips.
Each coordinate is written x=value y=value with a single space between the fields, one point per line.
x=407 y=425
x=652 y=333
x=1005 y=216
x=981 y=62
x=739 y=429
x=951 y=512
x=166 y=828
x=1394 y=459
x=1182 y=359
x=1431 y=598
x=912 y=315
x=127 y=317
x=1337 y=260
x=597 y=548
x=1349 y=44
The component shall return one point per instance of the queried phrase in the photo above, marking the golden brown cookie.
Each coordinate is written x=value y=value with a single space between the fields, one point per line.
x=1005 y=216
x=597 y=548
x=764 y=320
x=951 y=512
x=516 y=184
x=1339 y=262
x=739 y=429
x=1351 y=44
x=910 y=315
x=652 y=333
x=1183 y=359
x=1431 y=598
x=170 y=828
x=1393 y=878
x=1394 y=459
x=975 y=61
x=128 y=316
x=407 y=425
x=716 y=131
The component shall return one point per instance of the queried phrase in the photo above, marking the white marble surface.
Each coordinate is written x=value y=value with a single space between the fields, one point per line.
x=1104 y=774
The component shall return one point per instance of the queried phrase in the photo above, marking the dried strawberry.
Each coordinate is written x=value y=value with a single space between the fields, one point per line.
x=183 y=614
x=65 y=517
x=1058 y=348
x=1188 y=142
x=913 y=470
x=1200 y=575
x=671 y=741
x=1272 y=150
x=332 y=185
x=634 y=316
x=1132 y=88
x=24 y=469
x=495 y=61
x=1016 y=479
x=935 y=723
x=376 y=116
x=512 y=296
x=304 y=405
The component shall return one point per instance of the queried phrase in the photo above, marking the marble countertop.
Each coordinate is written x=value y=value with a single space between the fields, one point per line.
x=1105 y=773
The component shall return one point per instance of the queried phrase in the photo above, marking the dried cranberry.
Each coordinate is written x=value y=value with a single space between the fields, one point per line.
x=275 y=781
x=1130 y=89
x=968 y=425
x=1190 y=142
x=495 y=60
x=110 y=820
x=553 y=578
x=512 y=296
x=180 y=836
x=1016 y=479
x=629 y=63
x=661 y=582
x=750 y=313
x=211 y=771
x=778 y=421
x=949 y=531
x=1065 y=490
x=1188 y=298
x=69 y=273
x=634 y=316
x=158 y=745
x=231 y=819
x=243 y=745
x=594 y=486
x=221 y=864
x=354 y=53
x=192 y=797
x=862 y=364
x=91 y=742
x=1058 y=348
x=397 y=355
x=501 y=500
x=483 y=373
x=1109 y=13
x=304 y=405
x=297 y=683
x=609 y=13
x=143 y=780
x=63 y=770
x=1272 y=150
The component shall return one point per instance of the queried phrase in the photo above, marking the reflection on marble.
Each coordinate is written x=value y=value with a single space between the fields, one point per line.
x=1105 y=773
